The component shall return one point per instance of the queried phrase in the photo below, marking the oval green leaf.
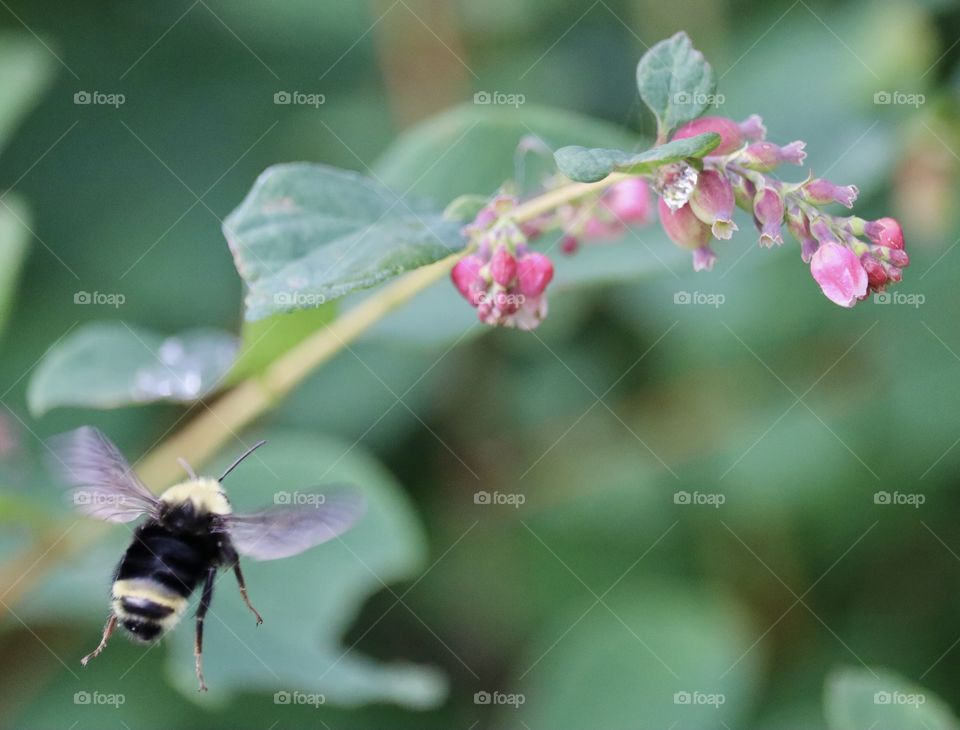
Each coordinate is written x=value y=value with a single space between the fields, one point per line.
x=110 y=364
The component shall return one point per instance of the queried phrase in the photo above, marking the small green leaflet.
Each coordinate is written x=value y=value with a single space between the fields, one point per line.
x=589 y=165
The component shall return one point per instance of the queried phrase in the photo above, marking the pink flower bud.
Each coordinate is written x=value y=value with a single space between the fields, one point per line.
x=821 y=192
x=683 y=227
x=712 y=201
x=731 y=138
x=766 y=156
x=503 y=266
x=569 y=244
x=752 y=128
x=596 y=227
x=534 y=272
x=885 y=232
x=898 y=258
x=703 y=258
x=839 y=273
x=768 y=211
x=465 y=273
x=629 y=200
x=876 y=273
x=799 y=228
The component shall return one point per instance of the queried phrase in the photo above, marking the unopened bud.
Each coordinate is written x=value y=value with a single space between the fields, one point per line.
x=534 y=272
x=821 y=192
x=683 y=227
x=629 y=201
x=731 y=138
x=712 y=201
x=766 y=156
x=885 y=232
x=503 y=266
x=465 y=273
x=768 y=211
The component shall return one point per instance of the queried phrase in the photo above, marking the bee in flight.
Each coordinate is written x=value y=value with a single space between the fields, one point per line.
x=189 y=533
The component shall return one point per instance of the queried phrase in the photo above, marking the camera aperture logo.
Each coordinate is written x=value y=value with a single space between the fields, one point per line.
x=685 y=97
x=301 y=499
x=913 y=699
x=499 y=498
x=900 y=499
x=114 y=299
x=898 y=297
x=699 y=298
x=299 y=299
x=499 y=98
x=899 y=98
x=283 y=697
x=99 y=98
x=299 y=98
x=713 y=699
x=113 y=700
x=699 y=498
x=499 y=698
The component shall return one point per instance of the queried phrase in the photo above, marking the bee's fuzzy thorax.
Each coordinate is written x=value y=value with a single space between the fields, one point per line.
x=205 y=495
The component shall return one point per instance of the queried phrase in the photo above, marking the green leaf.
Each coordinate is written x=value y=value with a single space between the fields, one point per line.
x=265 y=340
x=473 y=149
x=26 y=69
x=860 y=699
x=308 y=234
x=676 y=82
x=631 y=658
x=110 y=364
x=309 y=601
x=589 y=165
x=14 y=243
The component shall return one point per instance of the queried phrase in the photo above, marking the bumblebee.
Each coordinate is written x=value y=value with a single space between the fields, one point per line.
x=189 y=534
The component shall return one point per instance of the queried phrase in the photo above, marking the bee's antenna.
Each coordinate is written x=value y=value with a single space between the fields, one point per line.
x=243 y=456
x=186 y=467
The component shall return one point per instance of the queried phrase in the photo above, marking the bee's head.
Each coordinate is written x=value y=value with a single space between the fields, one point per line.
x=193 y=506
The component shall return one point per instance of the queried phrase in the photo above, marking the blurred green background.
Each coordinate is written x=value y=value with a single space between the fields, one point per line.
x=603 y=594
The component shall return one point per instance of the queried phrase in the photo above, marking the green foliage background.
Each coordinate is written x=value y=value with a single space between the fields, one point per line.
x=600 y=597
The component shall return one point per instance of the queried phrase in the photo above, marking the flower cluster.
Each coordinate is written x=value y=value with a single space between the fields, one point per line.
x=503 y=279
x=696 y=207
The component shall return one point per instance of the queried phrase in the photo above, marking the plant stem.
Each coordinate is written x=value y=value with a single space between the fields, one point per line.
x=203 y=436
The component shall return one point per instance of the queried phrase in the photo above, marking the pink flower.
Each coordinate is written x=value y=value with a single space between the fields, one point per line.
x=752 y=128
x=503 y=266
x=534 y=273
x=885 y=232
x=839 y=273
x=731 y=136
x=712 y=201
x=683 y=227
x=465 y=273
x=821 y=192
x=766 y=156
x=629 y=201
x=768 y=211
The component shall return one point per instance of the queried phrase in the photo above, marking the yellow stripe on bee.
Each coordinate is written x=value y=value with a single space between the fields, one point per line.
x=205 y=494
x=150 y=590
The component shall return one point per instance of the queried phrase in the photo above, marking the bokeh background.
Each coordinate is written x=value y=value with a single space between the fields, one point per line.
x=603 y=594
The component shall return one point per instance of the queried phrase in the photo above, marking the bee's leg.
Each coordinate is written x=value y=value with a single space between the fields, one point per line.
x=107 y=631
x=205 y=598
x=243 y=590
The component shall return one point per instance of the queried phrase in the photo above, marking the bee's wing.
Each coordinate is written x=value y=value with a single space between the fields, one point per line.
x=101 y=482
x=282 y=531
